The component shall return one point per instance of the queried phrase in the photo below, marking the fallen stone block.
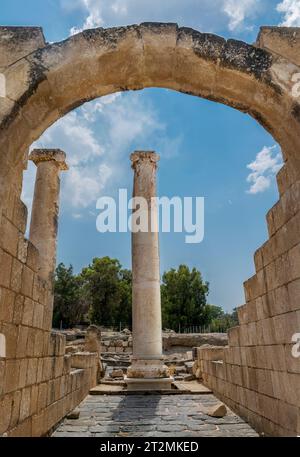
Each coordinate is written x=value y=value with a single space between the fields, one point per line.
x=218 y=410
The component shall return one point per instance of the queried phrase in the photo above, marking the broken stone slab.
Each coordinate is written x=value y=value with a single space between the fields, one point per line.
x=218 y=410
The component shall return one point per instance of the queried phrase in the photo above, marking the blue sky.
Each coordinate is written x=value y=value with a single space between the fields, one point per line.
x=206 y=149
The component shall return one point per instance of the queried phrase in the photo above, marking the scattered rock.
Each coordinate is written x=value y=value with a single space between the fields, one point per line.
x=74 y=414
x=117 y=374
x=218 y=410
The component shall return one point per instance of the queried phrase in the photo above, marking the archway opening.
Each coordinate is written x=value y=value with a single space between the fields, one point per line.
x=207 y=150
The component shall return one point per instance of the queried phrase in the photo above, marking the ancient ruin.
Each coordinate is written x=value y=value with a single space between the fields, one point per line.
x=256 y=375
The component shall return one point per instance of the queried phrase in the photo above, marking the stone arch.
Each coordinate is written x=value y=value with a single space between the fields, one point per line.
x=44 y=84
x=50 y=82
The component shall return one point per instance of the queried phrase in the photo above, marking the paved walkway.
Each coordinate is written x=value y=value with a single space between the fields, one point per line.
x=151 y=416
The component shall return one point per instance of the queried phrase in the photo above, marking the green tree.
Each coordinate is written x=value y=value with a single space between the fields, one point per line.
x=124 y=310
x=213 y=312
x=108 y=289
x=69 y=306
x=224 y=321
x=184 y=296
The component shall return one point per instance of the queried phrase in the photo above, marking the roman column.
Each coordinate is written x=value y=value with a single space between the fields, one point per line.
x=45 y=207
x=147 y=370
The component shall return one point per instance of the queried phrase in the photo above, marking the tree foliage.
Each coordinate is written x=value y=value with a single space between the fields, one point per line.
x=69 y=304
x=184 y=295
x=108 y=290
x=102 y=294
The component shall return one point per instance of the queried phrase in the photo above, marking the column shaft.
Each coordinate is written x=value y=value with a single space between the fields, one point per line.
x=45 y=208
x=147 y=342
x=147 y=370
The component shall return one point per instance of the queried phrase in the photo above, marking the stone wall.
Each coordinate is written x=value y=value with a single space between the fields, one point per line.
x=257 y=375
x=39 y=384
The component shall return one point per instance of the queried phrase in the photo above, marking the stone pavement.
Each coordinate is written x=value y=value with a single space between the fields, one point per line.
x=151 y=416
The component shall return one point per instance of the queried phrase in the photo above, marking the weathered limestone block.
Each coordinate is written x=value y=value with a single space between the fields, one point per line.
x=158 y=39
x=6 y=411
x=83 y=360
x=9 y=236
x=27 y=281
x=22 y=248
x=286 y=177
x=233 y=336
x=57 y=344
x=32 y=256
x=10 y=331
x=194 y=340
x=32 y=371
x=255 y=286
x=38 y=314
x=211 y=353
x=17 y=42
x=67 y=364
x=284 y=41
x=7 y=299
x=5 y=273
x=20 y=215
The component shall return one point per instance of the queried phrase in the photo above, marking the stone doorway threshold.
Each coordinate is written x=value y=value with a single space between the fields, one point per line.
x=178 y=388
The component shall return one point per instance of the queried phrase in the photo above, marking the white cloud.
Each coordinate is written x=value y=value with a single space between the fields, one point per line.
x=266 y=164
x=98 y=138
x=291 y=11
x=85 y=183
x=94 y=18
x=74 y=136
x=202 y=15
x=238 y=10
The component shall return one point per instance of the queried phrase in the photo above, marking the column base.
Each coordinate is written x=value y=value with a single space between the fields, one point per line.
x=148 y=374
x=148 y=383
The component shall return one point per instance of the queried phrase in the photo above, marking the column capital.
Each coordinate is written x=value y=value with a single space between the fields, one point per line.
x=140 y=156
x=49 y=155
